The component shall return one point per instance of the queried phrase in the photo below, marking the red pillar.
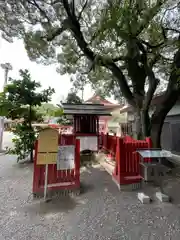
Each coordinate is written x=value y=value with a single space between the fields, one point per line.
x=120 y=169
x=149 y=141
x=77 y=162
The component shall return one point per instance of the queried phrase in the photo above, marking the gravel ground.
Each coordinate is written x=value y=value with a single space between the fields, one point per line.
x=100 y=213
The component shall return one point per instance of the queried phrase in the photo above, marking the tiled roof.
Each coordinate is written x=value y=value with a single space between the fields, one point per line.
x=97 y=99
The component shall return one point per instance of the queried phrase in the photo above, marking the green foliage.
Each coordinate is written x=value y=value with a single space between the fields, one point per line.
x=22 y=94
x=47 y=109
x=59 y=112
x=19 y=101
x=116 y=27
x=62 y=119
x=23 y=141
x=72 y=98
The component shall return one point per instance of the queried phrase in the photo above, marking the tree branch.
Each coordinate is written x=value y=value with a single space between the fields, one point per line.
x=122 y=82
x=55 y=34
x=58 y=31
x=152 y=46
x=154 y=60
x=76 y=30
x=72 y=4
x=153 y=81
x=67 y=7
x=43 y=13
x=82 y=10
x=120 y=58
x=172 y=29
x=149 y=15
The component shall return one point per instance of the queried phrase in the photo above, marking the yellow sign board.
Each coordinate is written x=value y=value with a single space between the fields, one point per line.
x=47 y=151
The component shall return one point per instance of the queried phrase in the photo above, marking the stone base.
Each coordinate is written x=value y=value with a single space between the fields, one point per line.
x=128 y=187
x=162 y=197
x=143 y=198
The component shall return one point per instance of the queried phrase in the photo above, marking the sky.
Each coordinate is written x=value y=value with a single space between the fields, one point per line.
x=16 y=55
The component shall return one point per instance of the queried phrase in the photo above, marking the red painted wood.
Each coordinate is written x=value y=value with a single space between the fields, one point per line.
x=127 y=168
x=77 y=162
x=70 y=176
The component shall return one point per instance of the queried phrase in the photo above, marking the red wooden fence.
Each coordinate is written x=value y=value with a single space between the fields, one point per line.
x=126 y=171
x=127 y=168
x=61 y=179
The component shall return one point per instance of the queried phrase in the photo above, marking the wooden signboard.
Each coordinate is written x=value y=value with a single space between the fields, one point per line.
x=66 y=156
x=47 y=147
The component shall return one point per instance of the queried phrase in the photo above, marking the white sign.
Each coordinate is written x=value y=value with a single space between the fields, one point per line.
x=88 y=143
x=66 y=155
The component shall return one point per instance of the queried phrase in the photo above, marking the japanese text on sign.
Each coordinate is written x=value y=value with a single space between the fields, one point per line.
x=65 y=159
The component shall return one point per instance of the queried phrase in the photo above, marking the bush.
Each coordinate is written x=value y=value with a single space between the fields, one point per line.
x=24 y=140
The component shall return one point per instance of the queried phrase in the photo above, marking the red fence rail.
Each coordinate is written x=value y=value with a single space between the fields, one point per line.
x=123 y=150
x=127 y=167
x=58 y=179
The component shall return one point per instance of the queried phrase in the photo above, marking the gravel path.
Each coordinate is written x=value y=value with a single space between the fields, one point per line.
x=100 y=213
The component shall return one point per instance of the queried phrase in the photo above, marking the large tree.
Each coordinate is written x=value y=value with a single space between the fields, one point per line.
x=124 y=44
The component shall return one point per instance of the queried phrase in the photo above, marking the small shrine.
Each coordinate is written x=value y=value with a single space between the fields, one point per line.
x=86 y=123
x=109 y=106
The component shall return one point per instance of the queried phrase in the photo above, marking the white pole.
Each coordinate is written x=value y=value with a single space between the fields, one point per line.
x=46 y=182
x=7 y=67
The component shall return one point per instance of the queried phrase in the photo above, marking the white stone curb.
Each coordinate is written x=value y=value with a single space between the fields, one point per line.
x=144 y=198
x=162 y=197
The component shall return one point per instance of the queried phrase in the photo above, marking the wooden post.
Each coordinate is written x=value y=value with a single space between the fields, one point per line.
x=122 y=160
x=77 y=162
x=117 y=157
x=106 y=144
x=36 y=170
x=97 y=131
x=74 y=124
x=97 y=124
x=90 y=124
x=149 y=141
x=46 y=182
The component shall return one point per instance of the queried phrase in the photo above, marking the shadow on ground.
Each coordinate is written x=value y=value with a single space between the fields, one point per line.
x=65 y=204
x=54 y=206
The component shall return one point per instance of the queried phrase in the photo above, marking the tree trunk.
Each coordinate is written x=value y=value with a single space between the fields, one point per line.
x=156 y=128
x=170 y=97
x=138 y=124
x=142 y=124
x=145 y=121
x=159 y=116
x=31 y=156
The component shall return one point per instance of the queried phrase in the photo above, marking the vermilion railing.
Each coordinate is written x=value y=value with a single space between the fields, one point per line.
x=123 y=150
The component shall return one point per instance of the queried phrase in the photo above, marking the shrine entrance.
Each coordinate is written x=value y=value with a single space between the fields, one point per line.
x=86 y=123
